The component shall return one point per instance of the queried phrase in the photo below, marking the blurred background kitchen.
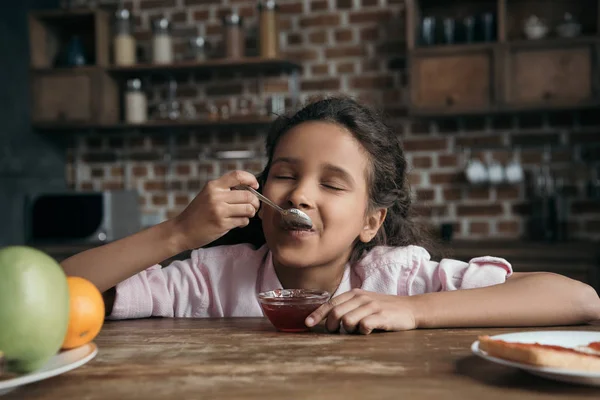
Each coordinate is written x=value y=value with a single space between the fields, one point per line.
x=115 y=114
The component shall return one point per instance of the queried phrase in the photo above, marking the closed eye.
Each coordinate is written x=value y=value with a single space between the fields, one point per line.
x=284 y=177
x=332 y=187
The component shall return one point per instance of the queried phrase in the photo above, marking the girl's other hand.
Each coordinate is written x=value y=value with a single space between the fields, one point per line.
x=360 y=311
x=216 y=210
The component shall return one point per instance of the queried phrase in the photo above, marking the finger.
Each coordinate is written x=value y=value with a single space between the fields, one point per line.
x=339 y=312
x=351 y=320
x=242 y=197
x=238 y=222
x=240 y=210
x=238 y=177
x=320 y=313
x=369 y=323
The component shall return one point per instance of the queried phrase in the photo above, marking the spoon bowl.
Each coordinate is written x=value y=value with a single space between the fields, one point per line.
x=292 y=217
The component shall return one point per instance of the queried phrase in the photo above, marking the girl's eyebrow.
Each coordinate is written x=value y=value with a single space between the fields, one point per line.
x=286 y=160
x=341 y=172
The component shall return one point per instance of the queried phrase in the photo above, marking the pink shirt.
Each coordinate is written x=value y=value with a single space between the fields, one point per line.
x=223 y=281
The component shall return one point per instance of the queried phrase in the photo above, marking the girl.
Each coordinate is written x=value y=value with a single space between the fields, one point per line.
x=336 y=161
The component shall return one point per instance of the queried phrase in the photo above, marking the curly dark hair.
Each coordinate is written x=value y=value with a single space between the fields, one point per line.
x=387 y=178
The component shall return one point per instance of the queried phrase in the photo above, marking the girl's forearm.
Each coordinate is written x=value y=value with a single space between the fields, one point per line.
x=535 y=299
x=107 y=265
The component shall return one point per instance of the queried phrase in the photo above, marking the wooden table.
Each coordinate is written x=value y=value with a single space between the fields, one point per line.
x=247 y=359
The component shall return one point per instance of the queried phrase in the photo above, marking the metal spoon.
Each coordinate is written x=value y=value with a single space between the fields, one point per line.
x=292 y=217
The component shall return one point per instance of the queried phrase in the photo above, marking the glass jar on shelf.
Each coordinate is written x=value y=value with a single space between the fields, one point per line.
x=162 y=42
x=268 y=30
x=234 y=35
x=198 y=45
x=123 y=40
x=136 y=103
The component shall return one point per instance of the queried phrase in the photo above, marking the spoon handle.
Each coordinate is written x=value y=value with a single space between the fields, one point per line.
x=260 y=196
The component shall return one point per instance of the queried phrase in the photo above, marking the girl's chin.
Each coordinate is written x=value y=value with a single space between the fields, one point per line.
x=292 y=258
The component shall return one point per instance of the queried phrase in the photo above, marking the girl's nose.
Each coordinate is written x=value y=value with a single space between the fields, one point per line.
x=300 y=197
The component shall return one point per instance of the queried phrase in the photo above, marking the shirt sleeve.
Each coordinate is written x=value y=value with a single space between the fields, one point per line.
x=177 y=290
x=426 y=276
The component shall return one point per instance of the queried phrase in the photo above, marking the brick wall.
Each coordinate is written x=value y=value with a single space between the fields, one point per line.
x=355 y=47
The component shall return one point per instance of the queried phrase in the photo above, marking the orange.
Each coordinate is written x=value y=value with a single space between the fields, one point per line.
x=86 y=312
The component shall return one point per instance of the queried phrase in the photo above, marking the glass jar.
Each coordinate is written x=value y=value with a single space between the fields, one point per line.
x=198 y=48
x=123 y=41
x=268 y=32
x=162 y=42
x=136 y=103
x=234 y=35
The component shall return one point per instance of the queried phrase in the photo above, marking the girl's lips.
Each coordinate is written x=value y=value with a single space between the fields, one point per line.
x=286 y=227
x=299 y=234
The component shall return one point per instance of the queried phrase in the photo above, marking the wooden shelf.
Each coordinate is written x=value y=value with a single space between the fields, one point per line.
x=524 y=43
x=90 y=94
x=554 y=42
x=157 y=125
x=453 y=48
x=63 y=70
x=62 y=14
x=242 y=64
x=499 y=109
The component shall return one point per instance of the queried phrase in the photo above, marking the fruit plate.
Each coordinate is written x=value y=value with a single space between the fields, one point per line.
x=59 y=364
x=572 y=339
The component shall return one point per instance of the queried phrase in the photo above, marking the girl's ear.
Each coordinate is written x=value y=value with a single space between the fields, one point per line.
x=373 y=222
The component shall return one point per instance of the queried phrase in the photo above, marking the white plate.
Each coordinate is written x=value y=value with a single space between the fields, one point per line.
x=570 y=339
x=59 y=364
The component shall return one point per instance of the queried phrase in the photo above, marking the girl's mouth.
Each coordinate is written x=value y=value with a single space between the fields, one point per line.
x=296 y=229
x=299 y=233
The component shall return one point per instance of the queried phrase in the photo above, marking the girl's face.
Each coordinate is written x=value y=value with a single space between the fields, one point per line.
x=321 y=169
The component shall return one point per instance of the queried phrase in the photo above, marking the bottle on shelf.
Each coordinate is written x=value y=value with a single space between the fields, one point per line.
x=198 y=45
x=136 y=103
x=234 y=35
x=268 y=30
x=123 y=41
x=162 y=42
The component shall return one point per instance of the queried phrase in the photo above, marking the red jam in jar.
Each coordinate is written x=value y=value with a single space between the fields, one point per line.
x=287 y=309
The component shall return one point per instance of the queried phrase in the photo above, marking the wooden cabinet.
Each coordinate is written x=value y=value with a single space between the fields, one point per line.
x=51 y=30
x=62 y=92
x=501 y=70
x=453 y=82
x=566 y=76
x=85 y=95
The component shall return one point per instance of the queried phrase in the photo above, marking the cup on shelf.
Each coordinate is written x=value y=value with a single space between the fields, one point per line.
x=469 y=29
x=569 y=27
x=535 y=28
x=476 y=172
x=276 y=104
x=212 y=111
x=189 y=110
x=488 y=25
x=449 y=30
x=428 y=31
x=224 y=112
x=514 y=171
x=495 y=173
x=243 y=108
